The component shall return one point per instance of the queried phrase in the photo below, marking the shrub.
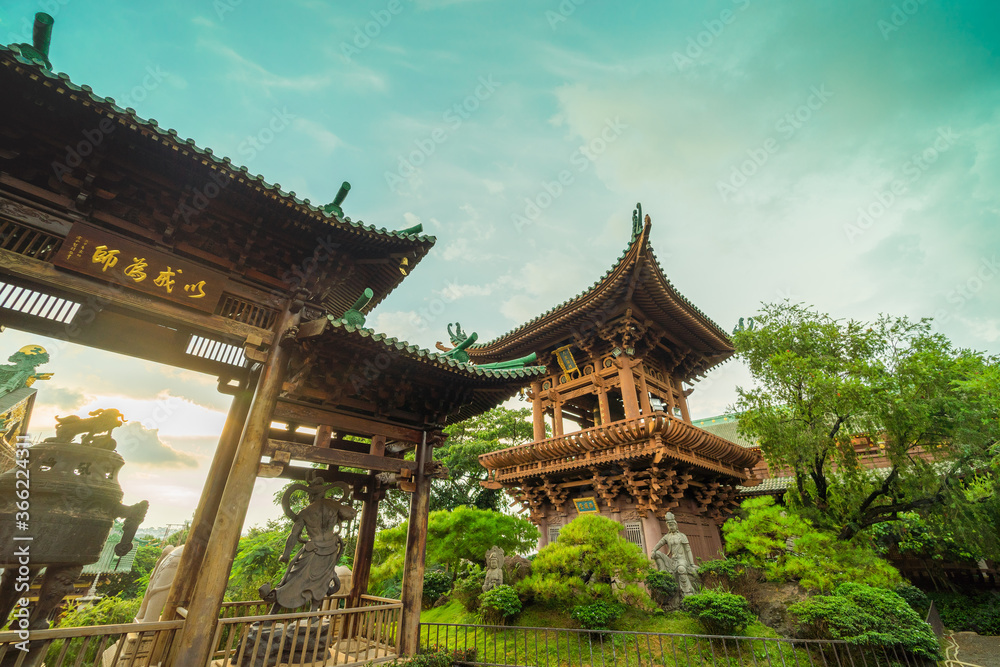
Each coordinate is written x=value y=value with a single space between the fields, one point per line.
x=498 y=604
x=976 y=613
x=866 y=615
x=597 y=615
x=436 y=584
x=734 y=576
x=817 y=560
x=661 y=585
x=720 y=613
x=467 y=592
x=109 y=611
x=914 y=597
x=441 y=656
x=590 y=561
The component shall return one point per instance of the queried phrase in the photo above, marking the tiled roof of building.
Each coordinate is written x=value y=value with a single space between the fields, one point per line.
x=725 y=426
x=109 y=562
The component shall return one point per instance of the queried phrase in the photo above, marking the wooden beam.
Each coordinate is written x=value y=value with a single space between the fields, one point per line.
x=340 y=422
x=337 y=457
x=365 y=547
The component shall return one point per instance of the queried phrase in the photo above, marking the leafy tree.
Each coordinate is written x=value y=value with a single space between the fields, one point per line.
x=589 y=562
x=497 y=429
x=465 y=533
x=823 y=386
x=256 y=561
x=787 y=547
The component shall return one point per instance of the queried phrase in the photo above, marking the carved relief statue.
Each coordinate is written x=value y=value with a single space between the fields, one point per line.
x=312 y=574
x=494 y=568
x=678 y=559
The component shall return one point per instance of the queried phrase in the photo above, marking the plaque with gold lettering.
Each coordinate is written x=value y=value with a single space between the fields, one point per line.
x=124 y=262
x=586 y=505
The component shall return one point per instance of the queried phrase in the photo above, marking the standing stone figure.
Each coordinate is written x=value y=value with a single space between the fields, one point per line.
x=494 y=568
x=312 y=575
x=160 y=582
x=678 y=559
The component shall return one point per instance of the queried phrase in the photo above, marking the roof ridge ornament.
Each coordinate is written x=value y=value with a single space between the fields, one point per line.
x=637 y=220
x=335 y=206
x=41 y=37
x=353 y=315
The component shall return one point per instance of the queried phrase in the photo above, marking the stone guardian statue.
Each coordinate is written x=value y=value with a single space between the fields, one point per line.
x=494 y=568
x=678 y=559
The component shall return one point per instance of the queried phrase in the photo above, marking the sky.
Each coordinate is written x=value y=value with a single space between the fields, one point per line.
x=837 y=153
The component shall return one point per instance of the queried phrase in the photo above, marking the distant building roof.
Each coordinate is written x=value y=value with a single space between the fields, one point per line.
x=109 y=562
x=725 y=426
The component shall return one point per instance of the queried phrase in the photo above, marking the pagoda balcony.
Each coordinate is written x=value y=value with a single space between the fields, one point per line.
x=658 y=436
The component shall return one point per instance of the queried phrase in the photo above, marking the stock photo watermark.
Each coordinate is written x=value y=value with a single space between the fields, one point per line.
x=699 y=43
x=986 y=270
x=786 y=127
x=364 y=34
x=899 y=17
x=407 y=166
x=565 y=9
x=581 y=158
x=910 y=173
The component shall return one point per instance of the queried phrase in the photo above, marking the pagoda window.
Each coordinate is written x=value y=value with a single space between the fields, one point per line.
x=616 y=406
x=633 y=533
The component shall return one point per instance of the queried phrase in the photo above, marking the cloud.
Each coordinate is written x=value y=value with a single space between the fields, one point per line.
x=63 y=398
x=321 y=137
x=142 y=446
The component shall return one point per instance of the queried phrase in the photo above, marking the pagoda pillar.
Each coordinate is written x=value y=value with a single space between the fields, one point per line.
x=366 y=544
x=629 y=394
x=194 y=643
x=557 y=419
x=647 y=409
x=537 y=414
x=208 y=506
x=602 y=401
x=682 y=400
x=415 y=557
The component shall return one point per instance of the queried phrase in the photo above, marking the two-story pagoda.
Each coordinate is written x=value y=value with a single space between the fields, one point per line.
x=617 y=357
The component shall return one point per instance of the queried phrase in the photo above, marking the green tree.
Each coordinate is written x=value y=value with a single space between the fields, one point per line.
x=465 y=533
x=589 y=562
x=822 y=385
x=497 y=429
x=256 y=561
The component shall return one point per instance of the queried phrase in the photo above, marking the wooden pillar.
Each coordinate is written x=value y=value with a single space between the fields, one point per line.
x=682 y=399
x=537 y=414
x=365 y=546
x=647 y=409
x=557 y=419
x=194 y=643
x=629 y=394
x=208 y=507
x=602 y=400
x=416 y=552
x=324 y=434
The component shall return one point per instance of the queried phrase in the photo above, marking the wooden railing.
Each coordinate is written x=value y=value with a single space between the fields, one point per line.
x=124 y=645
x=336 y=636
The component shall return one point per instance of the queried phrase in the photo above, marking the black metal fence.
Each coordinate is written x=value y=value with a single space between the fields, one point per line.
x=564 y=647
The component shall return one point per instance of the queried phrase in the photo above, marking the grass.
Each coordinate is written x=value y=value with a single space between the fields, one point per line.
x=549 y=647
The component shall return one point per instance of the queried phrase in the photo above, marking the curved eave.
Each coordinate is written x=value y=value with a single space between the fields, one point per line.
x=255 y=189
x=654 y=295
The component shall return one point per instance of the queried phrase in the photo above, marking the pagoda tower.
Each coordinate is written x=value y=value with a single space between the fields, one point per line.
x=617 y=357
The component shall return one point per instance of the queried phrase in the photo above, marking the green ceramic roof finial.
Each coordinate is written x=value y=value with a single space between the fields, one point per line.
x=415 y=229
x=353 y=315
x=41 y=37
x=741 y=327
x=637 y=220
x=458 y=352
x=513 y=363
x=334 y=207
x=456 y=336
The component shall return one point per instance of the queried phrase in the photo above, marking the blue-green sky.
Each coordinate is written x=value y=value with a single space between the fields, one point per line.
x=841 y=153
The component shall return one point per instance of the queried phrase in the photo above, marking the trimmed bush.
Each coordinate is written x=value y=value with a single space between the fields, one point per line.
x=661 y=585
x=499 y=604
x=436 y=584
x=914 y=597
x=441 y=656
x=867 y=616
x=720 y=613
x=734 y=576
x=597 y=616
